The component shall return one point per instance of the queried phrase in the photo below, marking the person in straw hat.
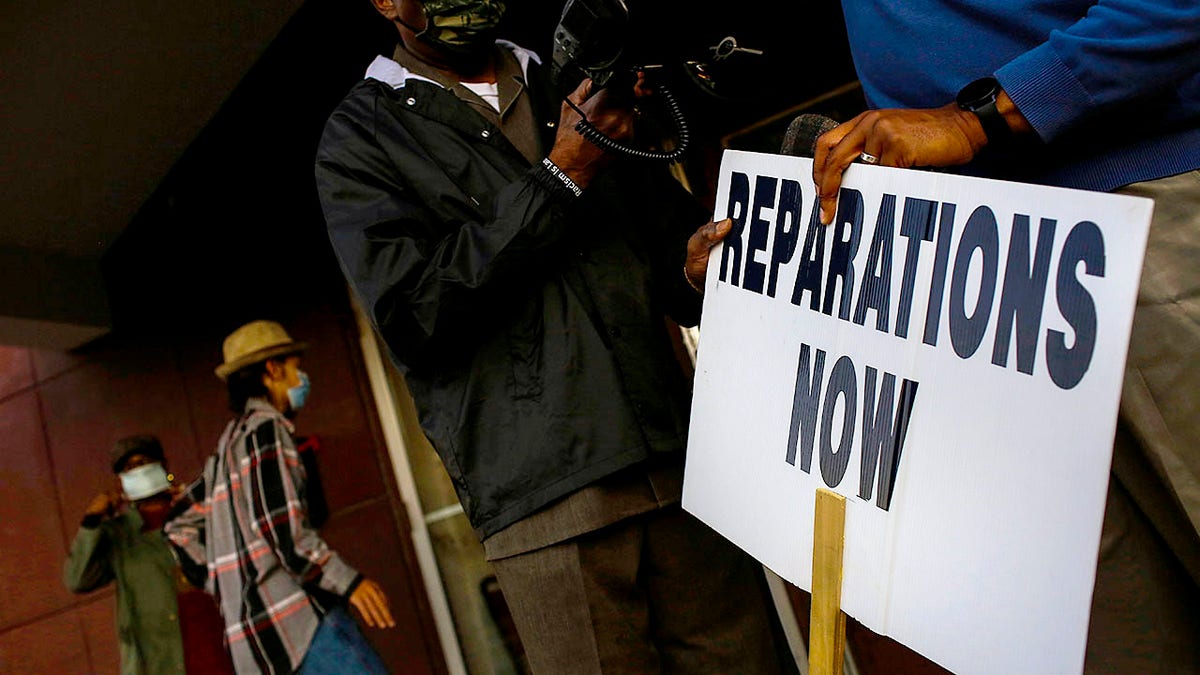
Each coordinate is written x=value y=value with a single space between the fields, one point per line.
x=243 y=527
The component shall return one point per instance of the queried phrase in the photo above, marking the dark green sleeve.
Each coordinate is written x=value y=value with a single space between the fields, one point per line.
x=87 y=566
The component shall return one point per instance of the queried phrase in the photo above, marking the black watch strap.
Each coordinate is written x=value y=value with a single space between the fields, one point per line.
x=980 y=97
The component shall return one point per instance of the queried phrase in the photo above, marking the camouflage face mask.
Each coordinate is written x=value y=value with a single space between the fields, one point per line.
x=461 y=26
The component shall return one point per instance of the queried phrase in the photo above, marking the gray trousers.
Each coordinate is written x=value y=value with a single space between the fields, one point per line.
x=655 y=593
x=1146 y=604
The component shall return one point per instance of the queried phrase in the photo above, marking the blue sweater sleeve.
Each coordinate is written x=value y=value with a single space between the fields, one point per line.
x=1120 y=50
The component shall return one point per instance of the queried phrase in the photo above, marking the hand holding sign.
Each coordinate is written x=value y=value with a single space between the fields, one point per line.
x=699 y=248
x=945 y=136
x=904 y=138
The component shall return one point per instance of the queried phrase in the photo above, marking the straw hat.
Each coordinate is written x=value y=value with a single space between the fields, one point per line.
x=254 y=342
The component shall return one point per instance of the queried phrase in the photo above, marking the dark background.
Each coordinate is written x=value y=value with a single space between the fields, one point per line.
x=239 y=208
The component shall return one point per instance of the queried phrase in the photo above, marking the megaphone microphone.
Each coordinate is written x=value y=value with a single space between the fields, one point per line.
x=800 y=139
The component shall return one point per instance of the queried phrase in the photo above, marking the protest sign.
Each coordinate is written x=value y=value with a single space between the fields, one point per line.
x=948 y=355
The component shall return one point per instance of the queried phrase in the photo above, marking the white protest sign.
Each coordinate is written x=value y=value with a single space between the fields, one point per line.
x=947 y=355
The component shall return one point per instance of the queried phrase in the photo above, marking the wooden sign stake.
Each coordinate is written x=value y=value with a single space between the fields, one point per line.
x=827 y=623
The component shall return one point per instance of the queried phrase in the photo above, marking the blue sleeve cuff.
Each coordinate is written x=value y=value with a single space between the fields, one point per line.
x=1045 y=91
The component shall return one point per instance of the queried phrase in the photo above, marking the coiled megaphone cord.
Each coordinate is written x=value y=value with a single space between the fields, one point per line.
x=598 y=138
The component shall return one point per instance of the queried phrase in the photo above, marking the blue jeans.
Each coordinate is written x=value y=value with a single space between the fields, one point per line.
x=340 y=647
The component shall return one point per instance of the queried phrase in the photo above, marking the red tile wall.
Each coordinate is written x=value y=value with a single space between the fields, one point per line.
x=54 y=644
x=30 y=526
x=61 y=412
x=16 y=370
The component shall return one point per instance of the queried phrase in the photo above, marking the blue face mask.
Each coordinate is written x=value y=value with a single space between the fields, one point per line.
x=298 y=394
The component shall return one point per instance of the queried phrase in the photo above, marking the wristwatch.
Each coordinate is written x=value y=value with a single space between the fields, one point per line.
x=979 y=97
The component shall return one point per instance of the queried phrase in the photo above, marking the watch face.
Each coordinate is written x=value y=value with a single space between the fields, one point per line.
x=978 y=92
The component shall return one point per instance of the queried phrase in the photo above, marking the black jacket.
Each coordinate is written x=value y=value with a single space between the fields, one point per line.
x=529 y=323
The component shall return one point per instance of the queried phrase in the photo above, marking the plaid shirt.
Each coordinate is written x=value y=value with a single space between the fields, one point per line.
x=244 y=521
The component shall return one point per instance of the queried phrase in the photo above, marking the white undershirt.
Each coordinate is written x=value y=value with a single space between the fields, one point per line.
x=488 y=91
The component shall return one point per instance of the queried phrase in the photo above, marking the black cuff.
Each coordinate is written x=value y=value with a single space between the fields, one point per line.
x=553 y=182
x=91 y=521
x=354 y=584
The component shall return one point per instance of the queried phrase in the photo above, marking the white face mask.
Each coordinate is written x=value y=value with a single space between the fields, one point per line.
x=145 y=481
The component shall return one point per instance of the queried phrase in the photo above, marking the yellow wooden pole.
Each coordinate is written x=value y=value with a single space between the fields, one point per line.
x=827 y=624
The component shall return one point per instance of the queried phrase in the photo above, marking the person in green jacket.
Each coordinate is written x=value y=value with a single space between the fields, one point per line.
x=120 y=539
